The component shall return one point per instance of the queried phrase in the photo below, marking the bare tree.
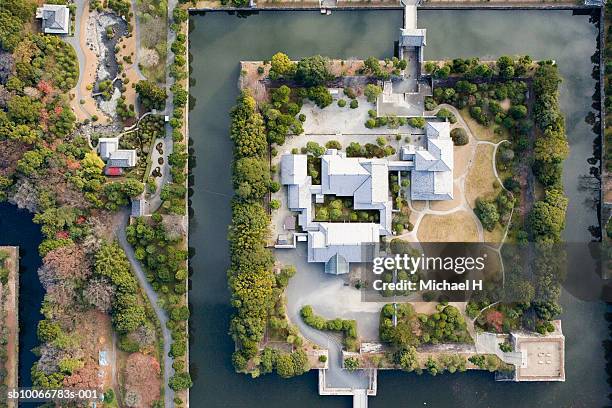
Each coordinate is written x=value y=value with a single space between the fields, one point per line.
x=99 y=293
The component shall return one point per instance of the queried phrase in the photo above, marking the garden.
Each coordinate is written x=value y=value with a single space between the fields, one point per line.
x=340 y=209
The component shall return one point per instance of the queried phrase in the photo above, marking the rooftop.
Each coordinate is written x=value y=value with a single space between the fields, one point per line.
x=55 y=18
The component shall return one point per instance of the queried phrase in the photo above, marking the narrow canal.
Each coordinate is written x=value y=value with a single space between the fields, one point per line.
x=219 y=40
x=17 y=228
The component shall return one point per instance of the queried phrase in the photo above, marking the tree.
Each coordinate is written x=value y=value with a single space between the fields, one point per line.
x=320 y=96
x=372 y=66
x=111 y=262
x=407 y=359
x=284 y=365
x=504 y=62
x=180 y=313
x=354 y=149
x=459 y=136
x=180 y=381
x=371 y=92
x=151 y=95
x=247 y=128
x=487 y=213
x=551 y=147
x=547 y=219
x=24 y=110
x=132 y=187
x=282 y=64
x=313 y=71
x=518 y=111
x=11 y=32
x=99 y=293
x=417 y=122
x=314 y=149
x=442 y=72
x=433 y=367
x=300 y=362
x=251 y=177
x=180 y=15
x=68 y=263
x=128 y=313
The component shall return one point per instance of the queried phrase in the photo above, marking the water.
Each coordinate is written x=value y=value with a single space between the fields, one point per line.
x=17 y=229
x=219 y=41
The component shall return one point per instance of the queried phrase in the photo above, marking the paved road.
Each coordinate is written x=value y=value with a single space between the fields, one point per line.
x=153 y=299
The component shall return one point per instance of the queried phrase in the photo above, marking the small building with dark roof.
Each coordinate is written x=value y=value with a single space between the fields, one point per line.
x=55 y=18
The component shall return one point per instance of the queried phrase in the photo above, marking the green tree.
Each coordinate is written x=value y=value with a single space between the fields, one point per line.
x=459 y=136
x=284 y=365
x=371 y=92
x=320 y=96
x=151 y=95
x=313 y=71
x=487 y=213
x=247 y=128
x=282 y=65
x=180 y=381
x=251 y=177
x=407 y=359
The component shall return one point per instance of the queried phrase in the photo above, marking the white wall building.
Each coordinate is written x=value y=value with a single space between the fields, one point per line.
x=108 y=148
x=367 y=182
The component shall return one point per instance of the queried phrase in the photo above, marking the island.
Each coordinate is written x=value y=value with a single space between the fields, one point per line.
x=334 y=159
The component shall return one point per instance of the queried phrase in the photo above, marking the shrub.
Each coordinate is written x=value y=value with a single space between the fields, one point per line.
x=354 y=104
x=341 y=103
x=351 y=364
x=459 y=136
x=417 y=122
x=333 y=144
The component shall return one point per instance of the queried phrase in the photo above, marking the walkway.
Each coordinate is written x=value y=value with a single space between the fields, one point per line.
x=135 y=66
x=154 y=300
x=74 y=40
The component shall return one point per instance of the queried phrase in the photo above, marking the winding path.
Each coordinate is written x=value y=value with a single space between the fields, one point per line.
x=154 y=300
x=74 y=40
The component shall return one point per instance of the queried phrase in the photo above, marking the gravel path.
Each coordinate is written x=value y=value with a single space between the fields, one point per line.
x=153 y=299
x=74 y=41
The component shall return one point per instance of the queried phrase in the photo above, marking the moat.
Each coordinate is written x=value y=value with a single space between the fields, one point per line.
x=218 y=42
x=359 y=34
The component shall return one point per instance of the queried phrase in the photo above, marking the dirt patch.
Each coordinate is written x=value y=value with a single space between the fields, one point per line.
x=462 y=156
x=445 y=205
x=252 y=80
x=495 y=236
x=418 y=205
x=459 y=226
x=481 y=177
x=142 y=381
x=480 y=132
